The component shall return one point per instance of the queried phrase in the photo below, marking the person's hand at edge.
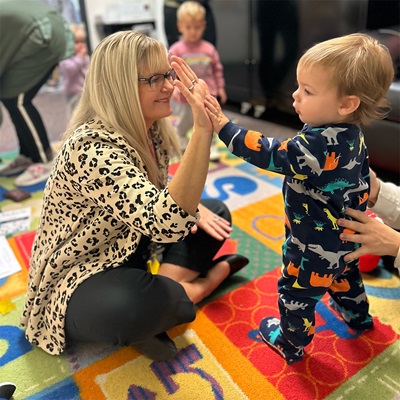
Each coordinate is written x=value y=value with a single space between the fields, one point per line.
x=374 y=236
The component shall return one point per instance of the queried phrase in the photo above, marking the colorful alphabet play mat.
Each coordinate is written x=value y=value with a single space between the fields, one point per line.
x=221 y=354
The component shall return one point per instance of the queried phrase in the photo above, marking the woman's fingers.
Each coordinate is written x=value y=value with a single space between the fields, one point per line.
x=213 y=103
x=194 y=90
x=185 y=68
x=187 y=78
x=184 y=89
x=214 y=225
x=374 y=236
x=218 y=228
x=358 y=215
x=188 y=81
x=355 y=254
x=222 y=223
x=184 y=72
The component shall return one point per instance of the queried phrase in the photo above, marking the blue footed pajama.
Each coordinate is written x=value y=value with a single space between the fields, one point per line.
x=297 y=303
x=326 y=170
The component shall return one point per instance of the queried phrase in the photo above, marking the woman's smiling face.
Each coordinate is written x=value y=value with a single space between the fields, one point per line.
x=155 y=100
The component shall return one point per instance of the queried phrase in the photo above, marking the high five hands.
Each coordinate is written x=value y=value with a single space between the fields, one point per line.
x=194 y=89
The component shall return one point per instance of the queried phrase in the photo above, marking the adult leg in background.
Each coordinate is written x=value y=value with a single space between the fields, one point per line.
x=31 y=132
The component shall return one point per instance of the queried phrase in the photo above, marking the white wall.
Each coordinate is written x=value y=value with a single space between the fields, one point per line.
x=96 y=9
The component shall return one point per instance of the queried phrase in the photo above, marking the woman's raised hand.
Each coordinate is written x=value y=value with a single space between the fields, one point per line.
x=194 y=90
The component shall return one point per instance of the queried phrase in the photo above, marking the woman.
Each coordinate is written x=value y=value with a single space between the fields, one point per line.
x=108 y=202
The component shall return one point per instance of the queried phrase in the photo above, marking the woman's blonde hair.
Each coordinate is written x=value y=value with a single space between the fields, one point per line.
x=361 y=67
x=111 y=93
x=191 y=9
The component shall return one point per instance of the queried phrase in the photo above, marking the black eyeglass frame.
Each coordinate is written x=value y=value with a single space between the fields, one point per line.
x=152 y=83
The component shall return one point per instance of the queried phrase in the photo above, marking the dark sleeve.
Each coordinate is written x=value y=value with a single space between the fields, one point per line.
x=301 y=156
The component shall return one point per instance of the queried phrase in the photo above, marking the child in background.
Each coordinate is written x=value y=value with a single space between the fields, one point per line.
x=342 y=84
x=73 y=69
x=203 y=58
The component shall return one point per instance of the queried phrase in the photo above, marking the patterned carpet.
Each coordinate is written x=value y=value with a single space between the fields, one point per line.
x=221 y=355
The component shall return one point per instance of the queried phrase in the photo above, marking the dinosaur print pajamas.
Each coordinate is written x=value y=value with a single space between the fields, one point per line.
x=326 y=170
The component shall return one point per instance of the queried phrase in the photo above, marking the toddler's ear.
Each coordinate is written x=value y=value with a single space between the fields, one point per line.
x=348 y=105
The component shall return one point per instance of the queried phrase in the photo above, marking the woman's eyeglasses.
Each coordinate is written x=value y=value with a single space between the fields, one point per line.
x=157 y=81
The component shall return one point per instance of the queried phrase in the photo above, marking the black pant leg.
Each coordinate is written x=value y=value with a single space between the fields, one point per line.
x=125 y=306
x=32 y=135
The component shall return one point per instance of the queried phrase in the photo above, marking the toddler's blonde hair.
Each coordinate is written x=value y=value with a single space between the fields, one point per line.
x=191 y=9
x=78 y=29
x=361 y=67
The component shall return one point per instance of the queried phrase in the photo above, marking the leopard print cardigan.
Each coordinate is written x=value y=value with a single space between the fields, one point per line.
x=98 y=202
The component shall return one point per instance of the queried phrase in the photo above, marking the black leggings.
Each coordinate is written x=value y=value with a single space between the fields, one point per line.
x=128 y=305
x=32 y=135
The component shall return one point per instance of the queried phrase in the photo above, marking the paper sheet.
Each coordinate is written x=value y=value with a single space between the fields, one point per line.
x=15 y=221
x=8 y=262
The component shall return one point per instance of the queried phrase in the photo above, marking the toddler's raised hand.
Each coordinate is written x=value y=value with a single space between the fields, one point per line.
x=217 y=117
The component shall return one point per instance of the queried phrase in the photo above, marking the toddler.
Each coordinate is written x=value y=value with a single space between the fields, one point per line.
x=204 y=60
x=342 y=84
x=73 y=69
